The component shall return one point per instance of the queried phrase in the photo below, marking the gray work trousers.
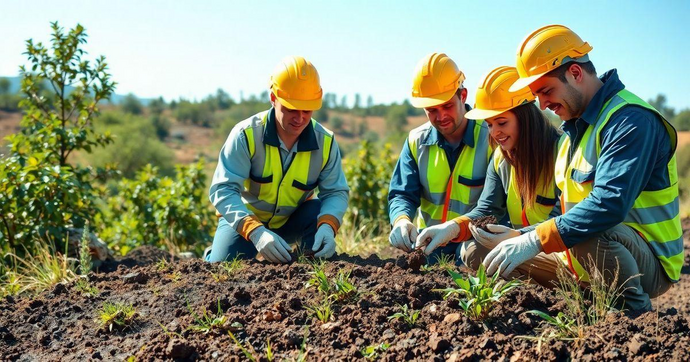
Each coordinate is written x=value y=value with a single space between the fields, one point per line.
x=619 y=248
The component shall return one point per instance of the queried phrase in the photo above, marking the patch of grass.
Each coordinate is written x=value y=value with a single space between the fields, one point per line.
x=372 y=352
x=445 y=261
x=321 y=310
x=338 y=289
x=408 y=315
x=85 y=251
x=168 y=333
x=35 y=273
x=162 y=265
x=118 y=315
x=174 y=276
x=85 y=288
x=477 y=295
x=206 y=322
x=228 y=269
x=363 y=237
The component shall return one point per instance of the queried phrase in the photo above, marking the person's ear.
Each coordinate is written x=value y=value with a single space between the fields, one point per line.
x=576 y=72
x=273 y=99
x=463 y=95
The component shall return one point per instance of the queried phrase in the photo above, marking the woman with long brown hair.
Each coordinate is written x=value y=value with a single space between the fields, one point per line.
x=519 y=179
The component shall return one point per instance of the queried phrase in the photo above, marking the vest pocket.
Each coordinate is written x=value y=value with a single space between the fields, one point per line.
x=582 y=177
x=478 y=182
x=261 y=180
x=304 y=187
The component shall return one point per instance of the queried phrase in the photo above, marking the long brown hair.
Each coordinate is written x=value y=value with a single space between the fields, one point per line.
x=533 y=157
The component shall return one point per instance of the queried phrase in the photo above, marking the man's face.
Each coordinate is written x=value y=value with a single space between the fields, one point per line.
x=448 y=117
x=290 y=122
x=564 y=99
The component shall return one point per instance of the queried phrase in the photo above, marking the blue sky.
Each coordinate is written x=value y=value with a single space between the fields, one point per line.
x=189 y=49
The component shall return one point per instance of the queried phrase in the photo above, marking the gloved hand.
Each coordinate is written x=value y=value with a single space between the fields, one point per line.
x=324 y=236
x=270 y=245
x=437 y=235
x=509 y=254
x=403 y=234
x=489 y=240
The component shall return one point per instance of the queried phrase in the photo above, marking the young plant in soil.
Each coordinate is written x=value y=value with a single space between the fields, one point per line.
x=445 y=261
x=162 y=265
x=321 y=310
x=248 y=351
x=372 y=352
x=477 y=295
x=116 y=315
x=229 y=269
x=408 y=315
x=338 y=289
x=206 y=322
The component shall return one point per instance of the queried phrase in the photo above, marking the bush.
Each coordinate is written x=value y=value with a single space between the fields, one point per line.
x=368 y=175
x=172 y=213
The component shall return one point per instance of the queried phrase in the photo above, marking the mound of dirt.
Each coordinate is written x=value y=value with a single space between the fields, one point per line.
x=481 y=222
x=264 y=303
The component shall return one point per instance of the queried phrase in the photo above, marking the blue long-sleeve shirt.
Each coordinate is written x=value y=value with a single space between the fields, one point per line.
x=635 y=151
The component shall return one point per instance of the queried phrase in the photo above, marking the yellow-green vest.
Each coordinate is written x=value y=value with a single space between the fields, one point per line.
x=655 y=214
x=271 y=194
x=468 y=174
x=521 y=216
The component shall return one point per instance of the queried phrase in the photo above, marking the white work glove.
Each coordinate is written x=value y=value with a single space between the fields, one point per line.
x=509 y=254
x=437 y=235
x=270 y=245
x=403 y=234
x=324 y=236
x=489 y=240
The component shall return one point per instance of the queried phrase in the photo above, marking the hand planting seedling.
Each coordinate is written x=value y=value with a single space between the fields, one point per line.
x=477 y=295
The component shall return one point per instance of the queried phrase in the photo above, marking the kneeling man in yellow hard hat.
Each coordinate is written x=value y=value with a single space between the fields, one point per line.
x=269 y=169
x=616 y=171
x=442 y=166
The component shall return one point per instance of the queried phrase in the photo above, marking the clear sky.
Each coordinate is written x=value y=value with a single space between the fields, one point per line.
x=191 y=48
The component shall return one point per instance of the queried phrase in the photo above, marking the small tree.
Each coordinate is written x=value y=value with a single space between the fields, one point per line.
x=131 y=104
x=40 y=192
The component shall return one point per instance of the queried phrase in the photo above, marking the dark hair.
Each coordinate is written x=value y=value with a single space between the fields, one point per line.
x=533 y=157
x=559 y=72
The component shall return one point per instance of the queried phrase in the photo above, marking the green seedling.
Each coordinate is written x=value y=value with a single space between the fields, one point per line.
x=477 y=295
x=85 y=288
x=445 y=261
x=408 y=315
x=343 y=289
x=175 y=276
x=373 y=352
x=118 y=315
x=269 y=351
x=319 y=279
x=168 y=333
x=566 y=327
x=206 y=322
x=85 y=252
x=162 y=265
x=247 y=353
x=321 y=310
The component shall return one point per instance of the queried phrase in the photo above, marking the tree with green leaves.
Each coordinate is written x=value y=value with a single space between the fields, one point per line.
x=41 y=193
x=132 y=104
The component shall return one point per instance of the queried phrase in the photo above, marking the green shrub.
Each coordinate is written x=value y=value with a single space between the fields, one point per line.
x=368 y=174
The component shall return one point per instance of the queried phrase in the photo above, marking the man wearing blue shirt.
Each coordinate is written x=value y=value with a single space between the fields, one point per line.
x=616 y=172
x=442 y=166
x=264 y=187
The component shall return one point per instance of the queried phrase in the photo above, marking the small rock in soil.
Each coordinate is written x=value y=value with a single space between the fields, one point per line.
x=178 y=348
x=388 y=334
x=481 y=222
x=438 y=344
x=291 y=338
x=638 y=344
x=452 y=318
x=135 y=277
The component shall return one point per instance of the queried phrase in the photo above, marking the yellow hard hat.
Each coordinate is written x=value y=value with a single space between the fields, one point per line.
x=295 y=83
x=493 y=96
x=545 y=50
x=436 y=79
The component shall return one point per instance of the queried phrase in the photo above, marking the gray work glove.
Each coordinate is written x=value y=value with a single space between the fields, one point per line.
x=498 y=233
x=270 y=245
x=403 y=235
x=325 y=236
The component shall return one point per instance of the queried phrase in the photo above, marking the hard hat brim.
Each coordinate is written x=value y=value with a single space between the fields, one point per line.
x=477 y=113
x=301 y=105
x=524 y=82
x=425 y=102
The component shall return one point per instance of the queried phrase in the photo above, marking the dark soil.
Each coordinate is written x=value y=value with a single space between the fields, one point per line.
x=265 y=303
x=481 y=222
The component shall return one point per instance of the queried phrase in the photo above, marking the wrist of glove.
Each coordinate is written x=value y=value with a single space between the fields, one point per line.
x=437 y=236
x=511 y=253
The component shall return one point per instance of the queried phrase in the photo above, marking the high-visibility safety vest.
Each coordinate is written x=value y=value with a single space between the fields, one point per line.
x=271 y=194
x=448 y=193
x=522 y=216
x=655 y=214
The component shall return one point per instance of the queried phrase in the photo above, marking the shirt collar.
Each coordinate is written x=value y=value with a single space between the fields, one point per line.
x=433 y=137
x=305 y=142
x=612 y=85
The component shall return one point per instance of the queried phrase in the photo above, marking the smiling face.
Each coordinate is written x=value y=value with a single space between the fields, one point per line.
x=504 y=129
x=563 y=98
x=290 y=122
x=449 y=117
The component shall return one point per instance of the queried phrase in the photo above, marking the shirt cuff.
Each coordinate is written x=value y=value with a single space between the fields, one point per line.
x=331 y=220
x=549 y=237
x=247 y=225
x=464 y=234
x=403 y=216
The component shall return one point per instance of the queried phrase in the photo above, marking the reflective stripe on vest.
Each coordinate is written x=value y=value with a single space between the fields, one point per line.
x=520 y=216
x=655 y=215
x=468 y=174
x=271 y=195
